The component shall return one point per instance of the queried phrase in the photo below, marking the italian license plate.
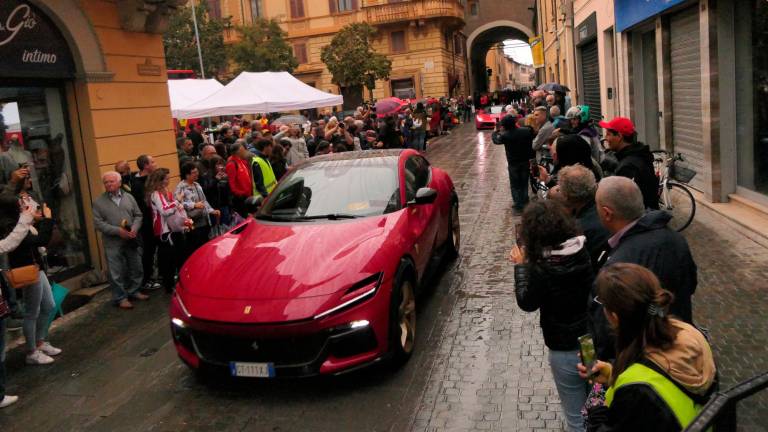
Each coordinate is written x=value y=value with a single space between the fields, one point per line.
x=252 y=370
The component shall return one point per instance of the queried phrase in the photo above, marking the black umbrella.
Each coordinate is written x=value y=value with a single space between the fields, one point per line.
x=554 y=87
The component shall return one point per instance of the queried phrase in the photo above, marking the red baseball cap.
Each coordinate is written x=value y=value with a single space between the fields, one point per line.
x=622 y=125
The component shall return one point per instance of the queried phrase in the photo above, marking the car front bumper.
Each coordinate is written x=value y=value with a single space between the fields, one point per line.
x=350 y=339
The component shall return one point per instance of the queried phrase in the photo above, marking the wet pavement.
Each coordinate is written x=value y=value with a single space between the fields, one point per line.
x=480 y=362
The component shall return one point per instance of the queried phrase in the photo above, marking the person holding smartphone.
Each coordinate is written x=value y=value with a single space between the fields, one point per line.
x=553 y=274
x=664 y=370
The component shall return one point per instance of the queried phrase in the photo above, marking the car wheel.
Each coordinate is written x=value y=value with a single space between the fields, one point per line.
x=402 y=328
x=454 y=235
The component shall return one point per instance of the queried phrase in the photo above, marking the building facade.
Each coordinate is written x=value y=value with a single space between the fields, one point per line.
x=422 y=38
x=83 y=86
x=692 y=75
x=555 y=25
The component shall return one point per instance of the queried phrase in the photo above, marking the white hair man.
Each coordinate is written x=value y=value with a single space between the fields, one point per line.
x=117 y=216
x=644 y=238
x=576 y=189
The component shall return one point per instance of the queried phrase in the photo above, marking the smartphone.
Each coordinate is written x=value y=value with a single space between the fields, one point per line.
x=518 y=234
x=588 y=355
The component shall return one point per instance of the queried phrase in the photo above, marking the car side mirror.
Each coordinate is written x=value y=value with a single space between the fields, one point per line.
x=253 y=203
x=424 y=195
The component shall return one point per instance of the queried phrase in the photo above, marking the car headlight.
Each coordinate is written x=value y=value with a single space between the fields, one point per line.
x=355 y=294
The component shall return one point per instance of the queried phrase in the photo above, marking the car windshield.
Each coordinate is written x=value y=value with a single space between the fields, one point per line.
x=336 y=188
x=496 y=109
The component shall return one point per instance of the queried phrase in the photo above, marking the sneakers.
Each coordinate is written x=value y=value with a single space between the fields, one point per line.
x=38 y=358
x=151 y=286
x=8 y=401
x=49 y=349
x=13 y=323
x=125 y=304
x=139 y=296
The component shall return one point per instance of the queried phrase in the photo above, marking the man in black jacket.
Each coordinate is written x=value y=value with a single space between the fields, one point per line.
x=644 y=239
x=635 y=159
x=517 y=145
x=146 y=166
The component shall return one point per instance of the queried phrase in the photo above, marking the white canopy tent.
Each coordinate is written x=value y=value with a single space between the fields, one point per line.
x=184 y=92
x=258 y=92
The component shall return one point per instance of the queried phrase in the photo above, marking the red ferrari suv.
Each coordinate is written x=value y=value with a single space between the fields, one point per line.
x=324 y=277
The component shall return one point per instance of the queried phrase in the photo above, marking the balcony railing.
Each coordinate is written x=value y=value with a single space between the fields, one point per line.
x=381 y=12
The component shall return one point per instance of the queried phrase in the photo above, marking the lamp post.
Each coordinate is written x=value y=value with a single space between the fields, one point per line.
x=197 y=40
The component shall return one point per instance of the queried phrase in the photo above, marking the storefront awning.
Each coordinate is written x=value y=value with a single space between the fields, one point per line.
x=185 y=92
x=258 y=92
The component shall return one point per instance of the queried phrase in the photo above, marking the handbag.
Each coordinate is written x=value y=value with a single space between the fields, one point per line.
x=20 y=277
x=177 y=221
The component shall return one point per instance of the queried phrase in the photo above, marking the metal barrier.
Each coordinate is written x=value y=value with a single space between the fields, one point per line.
x=720 y=411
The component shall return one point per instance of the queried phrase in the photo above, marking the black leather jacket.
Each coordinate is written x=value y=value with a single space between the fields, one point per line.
x=560 y=287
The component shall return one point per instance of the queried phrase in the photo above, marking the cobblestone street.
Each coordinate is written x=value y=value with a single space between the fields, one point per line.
x=481 y=362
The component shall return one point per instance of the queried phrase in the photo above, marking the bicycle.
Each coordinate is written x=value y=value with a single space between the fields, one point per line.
x=674 y=196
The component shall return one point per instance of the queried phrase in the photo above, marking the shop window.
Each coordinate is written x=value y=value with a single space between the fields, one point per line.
x=297 y=8
x=403 y=88
x=397 y=41
x=300 y=52
x=753 y=156
x=33 y=127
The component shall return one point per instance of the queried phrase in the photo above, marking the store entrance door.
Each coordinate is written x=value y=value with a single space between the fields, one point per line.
x=35 y=135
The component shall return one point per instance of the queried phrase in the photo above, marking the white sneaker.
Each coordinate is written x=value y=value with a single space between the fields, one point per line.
x=8 y=401
x=49 y=349
x=38 y=358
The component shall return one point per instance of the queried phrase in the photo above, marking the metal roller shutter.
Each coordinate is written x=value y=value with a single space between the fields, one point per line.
x=590 y=75
x=686 y=91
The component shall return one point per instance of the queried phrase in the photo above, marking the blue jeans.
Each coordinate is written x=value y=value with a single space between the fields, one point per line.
x=125 y=270
x=518 y=183
x=571 y=388
x=2 y=358
x=38 y=307
x=419 y=136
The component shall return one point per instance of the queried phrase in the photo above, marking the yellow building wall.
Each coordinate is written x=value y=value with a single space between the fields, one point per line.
x=130 y=114
x=426 y=59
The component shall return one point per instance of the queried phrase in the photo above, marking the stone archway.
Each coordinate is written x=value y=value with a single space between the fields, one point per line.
x=77 y=29
x=486 y=34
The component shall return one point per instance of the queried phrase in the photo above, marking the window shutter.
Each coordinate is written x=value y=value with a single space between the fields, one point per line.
x=297 y=8
x=332 y=6
x=398 y=41
x=300 y=52
x=354 y=4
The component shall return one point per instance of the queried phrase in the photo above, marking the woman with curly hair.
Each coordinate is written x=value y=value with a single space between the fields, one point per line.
x=553 y=273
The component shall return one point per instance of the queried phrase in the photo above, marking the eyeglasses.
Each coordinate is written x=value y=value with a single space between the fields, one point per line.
x=597 y=300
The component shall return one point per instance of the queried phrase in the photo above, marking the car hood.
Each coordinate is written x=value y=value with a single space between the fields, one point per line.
x=487 y=116
x=280 y=261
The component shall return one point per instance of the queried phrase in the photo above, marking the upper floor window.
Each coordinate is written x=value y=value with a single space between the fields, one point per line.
x=473 y=9
x=342 y=5
x=297 y=8
x=214 y=9
x=300 y=52
x=257 y=10
x=397 y=41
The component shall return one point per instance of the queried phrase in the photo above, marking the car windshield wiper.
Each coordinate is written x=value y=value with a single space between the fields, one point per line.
x=331 y=216
x=277 y=218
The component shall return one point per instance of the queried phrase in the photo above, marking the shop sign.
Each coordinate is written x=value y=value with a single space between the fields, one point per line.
x=631 y=12
x=30 y=44
x=586 y=31
x=537 y=51
x=149 y=69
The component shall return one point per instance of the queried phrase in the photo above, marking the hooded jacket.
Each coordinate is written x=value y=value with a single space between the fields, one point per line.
x=651 y=244
x=689 y=364
x=559 y=285
x=636 y=163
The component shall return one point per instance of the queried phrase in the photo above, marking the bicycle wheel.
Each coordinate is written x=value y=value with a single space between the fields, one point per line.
x=680 y=205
